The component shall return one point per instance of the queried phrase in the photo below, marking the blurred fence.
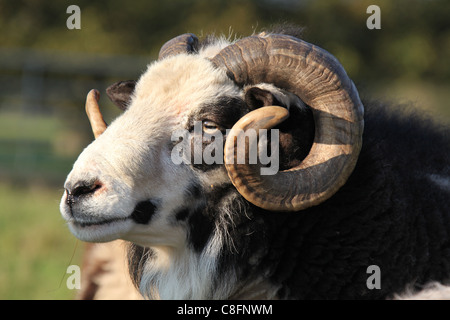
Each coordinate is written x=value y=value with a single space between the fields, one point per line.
x=41 y=102
x=39 y=82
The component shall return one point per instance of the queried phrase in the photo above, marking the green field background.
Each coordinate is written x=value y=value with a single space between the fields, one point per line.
x=35 y=245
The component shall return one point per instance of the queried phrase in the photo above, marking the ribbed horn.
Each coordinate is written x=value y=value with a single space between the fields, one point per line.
x=185 y=43
x=321 y=82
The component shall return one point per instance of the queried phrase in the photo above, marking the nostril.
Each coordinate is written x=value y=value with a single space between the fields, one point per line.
x=81 y=189
x=85 y=189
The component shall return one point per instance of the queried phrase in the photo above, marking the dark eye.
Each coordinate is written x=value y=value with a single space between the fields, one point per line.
x=210 y=127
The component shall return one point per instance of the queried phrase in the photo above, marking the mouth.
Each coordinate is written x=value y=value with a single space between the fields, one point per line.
x=85 y=224
x=88 y=228
x=141 y=214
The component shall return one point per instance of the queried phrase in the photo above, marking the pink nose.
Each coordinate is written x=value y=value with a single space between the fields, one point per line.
x=81 y=190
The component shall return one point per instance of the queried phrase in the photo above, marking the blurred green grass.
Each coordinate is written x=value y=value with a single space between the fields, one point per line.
x=35 y=245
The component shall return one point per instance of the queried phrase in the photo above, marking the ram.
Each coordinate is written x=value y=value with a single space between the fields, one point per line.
x=357 y=184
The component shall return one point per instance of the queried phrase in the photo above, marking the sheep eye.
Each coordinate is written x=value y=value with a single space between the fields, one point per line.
x=210 y=127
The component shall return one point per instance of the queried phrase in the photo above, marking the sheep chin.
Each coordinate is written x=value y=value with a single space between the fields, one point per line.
x=103 y=231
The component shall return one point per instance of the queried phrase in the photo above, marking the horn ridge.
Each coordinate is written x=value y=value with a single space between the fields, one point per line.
x=320 y=81
x=185 y=43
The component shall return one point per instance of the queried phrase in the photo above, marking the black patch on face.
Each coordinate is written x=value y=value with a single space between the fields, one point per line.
x=201 y=221
x=201 y=226
x=194 y=191
x=204 y=166
x=143 y=212
x=224 y=112
x=182 y=214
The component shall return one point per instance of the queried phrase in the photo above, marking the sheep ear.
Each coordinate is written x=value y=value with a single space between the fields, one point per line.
x=256 y=97
x=120 y=93
x=296 y=132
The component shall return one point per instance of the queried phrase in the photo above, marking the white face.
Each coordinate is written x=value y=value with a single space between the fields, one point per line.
x=125 y=184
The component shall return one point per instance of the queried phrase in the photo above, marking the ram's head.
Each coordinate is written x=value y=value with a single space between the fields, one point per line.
x=136 y=183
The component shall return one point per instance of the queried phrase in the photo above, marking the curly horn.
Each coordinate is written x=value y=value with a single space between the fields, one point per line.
x=321 y=82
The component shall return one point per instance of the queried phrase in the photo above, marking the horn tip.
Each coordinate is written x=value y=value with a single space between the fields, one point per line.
x=94 y=93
